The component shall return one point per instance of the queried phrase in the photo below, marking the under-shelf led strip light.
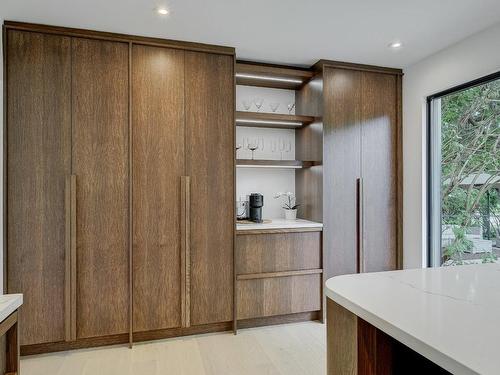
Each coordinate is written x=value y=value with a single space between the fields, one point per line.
x=267 y=78
x=270 y=122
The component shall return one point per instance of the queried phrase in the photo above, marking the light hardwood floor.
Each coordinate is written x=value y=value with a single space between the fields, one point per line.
x=290 y=349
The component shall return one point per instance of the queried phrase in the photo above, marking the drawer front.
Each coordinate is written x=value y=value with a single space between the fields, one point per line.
x=278 y=296
x=257 y=253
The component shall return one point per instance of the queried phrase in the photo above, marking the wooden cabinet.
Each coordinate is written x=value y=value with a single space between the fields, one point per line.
x=341 y=167
x=100 y=164
x=158 y=165
x=38 y=159
x=278 y=275
x=120 y=156
x=361 y=169
x=210 y=164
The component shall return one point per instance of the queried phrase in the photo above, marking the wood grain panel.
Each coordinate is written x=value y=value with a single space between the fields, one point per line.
x=125 y=38
x=38 y=150
x=278 y=252
x=209 y=106
x=278 y=296
x=309 y=146
x=342 y=340
x=158 y=164
x=100 y=162
x=341 y=168
x=379 y=169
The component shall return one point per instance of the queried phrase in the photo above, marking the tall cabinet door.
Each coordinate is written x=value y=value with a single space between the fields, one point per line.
x=209 y=93
x=341 y=168
x=38 y=149
x=158 y=164
x=379 y=171
x=100 y=162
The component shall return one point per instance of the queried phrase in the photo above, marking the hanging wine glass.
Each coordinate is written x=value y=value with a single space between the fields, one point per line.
x=274 y=106
x=258 y=103
x=238 y=147
x=290 y=107
x=246 y=104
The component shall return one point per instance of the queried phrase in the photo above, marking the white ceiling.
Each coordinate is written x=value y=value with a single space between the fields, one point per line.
x=288 y=31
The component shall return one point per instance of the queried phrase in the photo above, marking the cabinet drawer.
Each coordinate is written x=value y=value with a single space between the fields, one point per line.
x=278 y=296
x=257 y=253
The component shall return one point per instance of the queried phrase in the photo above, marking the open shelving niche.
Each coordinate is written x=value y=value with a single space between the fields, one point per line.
x=274 y=77
x=265 y=174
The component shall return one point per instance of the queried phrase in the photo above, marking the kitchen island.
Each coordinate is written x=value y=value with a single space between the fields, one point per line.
x=432 y=321
x=9 y=359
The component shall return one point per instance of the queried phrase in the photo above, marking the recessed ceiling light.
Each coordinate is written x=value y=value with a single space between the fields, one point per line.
x=162 y=11
x=396 y=45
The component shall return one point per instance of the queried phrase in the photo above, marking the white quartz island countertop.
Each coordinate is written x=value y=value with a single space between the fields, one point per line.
x=8 y=304
x=449 y=315
x=279 y=224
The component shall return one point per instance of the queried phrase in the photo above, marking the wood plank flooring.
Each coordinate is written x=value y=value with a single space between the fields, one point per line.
x=290 y=349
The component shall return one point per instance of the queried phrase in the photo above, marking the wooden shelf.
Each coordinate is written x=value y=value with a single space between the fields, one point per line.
x=273 y=76
x=272 y=120
x=285 y=164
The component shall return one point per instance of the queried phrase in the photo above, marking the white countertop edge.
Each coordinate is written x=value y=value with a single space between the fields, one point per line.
x=434 y=355
x=280 y=224
x=8 y=304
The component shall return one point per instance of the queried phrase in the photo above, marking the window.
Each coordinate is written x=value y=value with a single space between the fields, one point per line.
x=464 y=174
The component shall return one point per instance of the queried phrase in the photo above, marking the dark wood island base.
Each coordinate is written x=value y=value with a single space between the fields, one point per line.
x=355 y=347
x=9 y=362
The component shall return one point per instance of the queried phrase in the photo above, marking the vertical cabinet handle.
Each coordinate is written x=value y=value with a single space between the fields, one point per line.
x=359 y=226
x=70 y=258
x=185 y=250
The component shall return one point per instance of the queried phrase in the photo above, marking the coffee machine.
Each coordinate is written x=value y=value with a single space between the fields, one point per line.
x=256 y=201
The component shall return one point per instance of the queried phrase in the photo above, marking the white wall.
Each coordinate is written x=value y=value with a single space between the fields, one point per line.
x=472 y=58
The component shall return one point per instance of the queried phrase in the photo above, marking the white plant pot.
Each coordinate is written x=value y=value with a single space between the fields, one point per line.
x=291 y=214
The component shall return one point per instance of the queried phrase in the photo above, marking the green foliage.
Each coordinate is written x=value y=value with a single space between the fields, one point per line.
x=459 y=246
x=470 y=136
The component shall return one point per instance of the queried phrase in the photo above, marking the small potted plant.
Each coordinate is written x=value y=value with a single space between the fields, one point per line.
x=289 y=205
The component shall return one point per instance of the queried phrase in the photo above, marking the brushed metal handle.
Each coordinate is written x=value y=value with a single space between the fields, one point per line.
x=73 y=257
x=186 y=250
x=360 y=226
x=67 y=259
x=70 y=258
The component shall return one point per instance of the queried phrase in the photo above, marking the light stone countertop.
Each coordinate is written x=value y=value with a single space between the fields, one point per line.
x=8 y=304
x=449 y=315
x=280 y=224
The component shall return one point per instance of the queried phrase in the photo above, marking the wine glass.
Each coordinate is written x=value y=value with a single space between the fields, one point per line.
x=258 y=103
x=274 y=146
x=252 y=146
x=238 y=146
x=289 y=147
x=260 y=143
x=246 y=104
x=274 y=106
x=282 y=147
x=290 y=107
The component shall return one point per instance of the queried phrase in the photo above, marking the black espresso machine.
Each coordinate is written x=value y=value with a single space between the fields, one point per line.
x=255 y=203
